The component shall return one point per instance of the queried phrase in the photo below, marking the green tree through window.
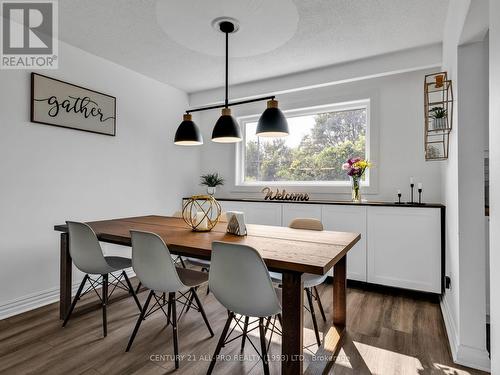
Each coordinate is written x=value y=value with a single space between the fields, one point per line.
x=315 y=150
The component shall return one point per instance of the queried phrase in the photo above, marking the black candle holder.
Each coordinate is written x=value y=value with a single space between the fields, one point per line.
x=412 y=186
x=419 y=196
x=399 y=199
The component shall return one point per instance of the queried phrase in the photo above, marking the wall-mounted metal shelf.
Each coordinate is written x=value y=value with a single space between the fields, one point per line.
x=438 y=114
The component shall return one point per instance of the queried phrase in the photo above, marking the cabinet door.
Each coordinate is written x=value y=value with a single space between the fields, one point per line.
x=404 y=247
x=349 y=219
x=231 y=206
x=255 y=212
x=298 y=210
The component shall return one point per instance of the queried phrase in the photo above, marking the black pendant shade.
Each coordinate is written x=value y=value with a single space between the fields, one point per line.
x=187 y=133
x=226 y=129
x=272 y=122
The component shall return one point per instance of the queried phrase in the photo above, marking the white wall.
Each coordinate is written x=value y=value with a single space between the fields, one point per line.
x=397 y=127
x=494 y=35
x=425 y=57
x=50 y=174
x=472 y=132
x=464 y=304
x=457 y=13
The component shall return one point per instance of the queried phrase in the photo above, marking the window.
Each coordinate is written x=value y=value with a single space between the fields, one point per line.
x=321 y=139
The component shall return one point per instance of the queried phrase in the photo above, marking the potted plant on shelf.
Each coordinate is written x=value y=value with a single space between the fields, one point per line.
x=438 y=115
x=211 y=181
x=356 y=168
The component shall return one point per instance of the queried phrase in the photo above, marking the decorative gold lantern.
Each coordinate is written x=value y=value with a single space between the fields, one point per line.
x=201 y=212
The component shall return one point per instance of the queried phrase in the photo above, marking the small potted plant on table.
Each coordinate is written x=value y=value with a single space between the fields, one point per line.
x=211 y=181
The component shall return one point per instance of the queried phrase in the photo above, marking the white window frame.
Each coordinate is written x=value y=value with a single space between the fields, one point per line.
x=336 y=107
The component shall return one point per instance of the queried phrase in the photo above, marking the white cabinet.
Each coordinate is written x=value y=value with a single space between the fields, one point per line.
x=349 y=219
x=256 y=212
x=299 y=210
x=399 y=246
x=404 y=247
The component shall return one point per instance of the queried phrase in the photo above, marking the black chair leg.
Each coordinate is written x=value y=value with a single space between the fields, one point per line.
x=104 y=304
x=191 y=298
x=75 y=300
x=313 y=315
x=139 y=321
x=263 y=346
x=202 y=311
x=169 y=310
x=320 y=305
x=268 y=321
x=182 y=262
x=245 y=329
x=131 y=291
x=137 y=290
x=220 y=344
x=171 y=301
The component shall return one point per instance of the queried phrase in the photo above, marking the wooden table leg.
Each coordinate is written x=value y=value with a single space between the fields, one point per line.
x=339 y=292
x=65 y=280
x=293 y=323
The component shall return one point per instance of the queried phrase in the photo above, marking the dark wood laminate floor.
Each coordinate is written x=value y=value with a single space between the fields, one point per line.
x=387 y=334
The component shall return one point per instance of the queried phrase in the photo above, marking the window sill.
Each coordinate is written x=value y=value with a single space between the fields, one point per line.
x=298 y=184
x=305 y=188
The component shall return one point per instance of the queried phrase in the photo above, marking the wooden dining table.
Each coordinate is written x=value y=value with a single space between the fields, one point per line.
x=291 y=252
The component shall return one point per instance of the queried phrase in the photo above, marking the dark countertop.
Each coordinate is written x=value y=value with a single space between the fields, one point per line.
x=319 y=201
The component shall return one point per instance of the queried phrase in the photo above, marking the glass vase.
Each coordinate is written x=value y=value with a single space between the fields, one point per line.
x=356 y=193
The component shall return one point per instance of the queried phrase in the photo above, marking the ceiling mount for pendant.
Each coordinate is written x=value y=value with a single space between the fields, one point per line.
x=272 y=123
x=225 y=25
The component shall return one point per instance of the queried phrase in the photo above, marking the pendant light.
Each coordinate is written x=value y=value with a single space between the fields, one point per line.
x=187 y=133
x=272 y=122
x=226 y=129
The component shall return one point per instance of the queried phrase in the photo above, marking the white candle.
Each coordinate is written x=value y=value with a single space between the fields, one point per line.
x=201 y=221
x=420 y=185
x=399 y=191
x=411 y=180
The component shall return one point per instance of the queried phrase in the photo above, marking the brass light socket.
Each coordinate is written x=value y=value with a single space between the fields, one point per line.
x=272 y=103
x=187 y=117
x=226 y=111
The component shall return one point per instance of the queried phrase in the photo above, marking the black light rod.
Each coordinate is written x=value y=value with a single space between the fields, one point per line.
x=230 y=104
x=226 y=99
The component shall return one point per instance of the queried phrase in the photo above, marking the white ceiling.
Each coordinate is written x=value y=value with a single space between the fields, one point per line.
x=172 y=42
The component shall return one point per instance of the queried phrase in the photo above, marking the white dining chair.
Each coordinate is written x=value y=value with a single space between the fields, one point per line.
x=240 y=281
x=88 y=257
x=178 y=259
x=204 y=264
x=155 y=268
x=310 y=281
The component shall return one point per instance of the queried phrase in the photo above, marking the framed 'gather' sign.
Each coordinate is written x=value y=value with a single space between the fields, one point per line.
x=58 y=103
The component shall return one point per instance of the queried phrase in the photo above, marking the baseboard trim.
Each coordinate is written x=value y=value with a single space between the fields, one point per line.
x=36 y=300
x=417 y=294
x=451 y=328
x=473 y=357
x=462 y=354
